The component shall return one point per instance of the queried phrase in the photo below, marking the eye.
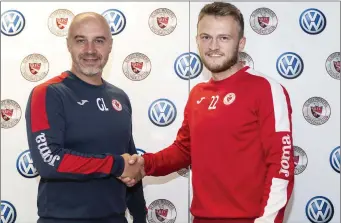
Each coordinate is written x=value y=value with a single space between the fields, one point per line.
x=99 y=41
x=205 y=37
x=80 y=40
x=224 y=38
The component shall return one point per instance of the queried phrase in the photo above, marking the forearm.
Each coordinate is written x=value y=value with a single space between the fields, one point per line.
x=166 y=161
x=54 y=162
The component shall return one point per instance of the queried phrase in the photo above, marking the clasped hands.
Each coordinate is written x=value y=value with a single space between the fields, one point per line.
x=133 y=169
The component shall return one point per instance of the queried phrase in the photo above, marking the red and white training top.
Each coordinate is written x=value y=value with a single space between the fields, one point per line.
x=236 y=135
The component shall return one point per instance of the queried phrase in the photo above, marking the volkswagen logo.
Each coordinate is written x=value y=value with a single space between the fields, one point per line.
x=25 y=165
x=12 y=22
x=313 y=21
x=162 y=112
x=8 y=212
x=140 y=152
x=188 y=66
x=335 y=159
x=116 y=20
x=319 y=209
x=289 y=65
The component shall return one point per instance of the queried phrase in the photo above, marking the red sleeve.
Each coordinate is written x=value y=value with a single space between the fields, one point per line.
x=174 y=157
x=276 y=134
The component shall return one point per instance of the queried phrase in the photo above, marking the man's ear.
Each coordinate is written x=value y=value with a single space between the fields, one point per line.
x=242 y=43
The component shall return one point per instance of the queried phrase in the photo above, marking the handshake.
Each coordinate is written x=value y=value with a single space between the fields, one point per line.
x=133 y=169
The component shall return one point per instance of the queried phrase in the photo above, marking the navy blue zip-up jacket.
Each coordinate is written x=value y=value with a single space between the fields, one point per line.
x=76 y=134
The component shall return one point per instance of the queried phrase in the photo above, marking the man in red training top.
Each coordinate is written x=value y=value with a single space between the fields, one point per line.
x=236 y=132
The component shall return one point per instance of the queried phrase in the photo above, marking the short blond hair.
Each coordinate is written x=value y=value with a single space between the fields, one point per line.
x=223 y=9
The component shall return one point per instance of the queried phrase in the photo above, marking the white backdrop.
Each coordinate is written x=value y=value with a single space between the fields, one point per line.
x=160 y=47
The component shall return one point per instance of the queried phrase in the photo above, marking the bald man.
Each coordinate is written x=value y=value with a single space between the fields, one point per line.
x=79 y=130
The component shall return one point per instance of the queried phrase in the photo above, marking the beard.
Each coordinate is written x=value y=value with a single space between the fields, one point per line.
x=90 y=70
x=226 y=64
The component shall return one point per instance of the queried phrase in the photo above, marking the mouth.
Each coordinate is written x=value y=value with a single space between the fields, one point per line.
x=214 y=55
x=90 y=60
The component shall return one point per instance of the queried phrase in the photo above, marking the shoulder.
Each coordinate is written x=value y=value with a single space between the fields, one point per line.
x=118 y=94
x=260 y=78
x=116 y=90
x=198 y=87
x=41 y=89
x=268 y=90
x=263 y=83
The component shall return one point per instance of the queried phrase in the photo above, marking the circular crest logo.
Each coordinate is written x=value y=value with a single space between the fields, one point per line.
x=34 y=67
x=300 y=160
x=246 y=60
x=229 y=98
x=161 y=211
x=140 y=152
x=184 y=172
x=25 y=165
x=162 y=112
x=312 y=21
x=335 y=159
x=333 y=65
x=10 y=113
x=188 y=66
x=289 y=65
x=319 y=209
x=59 y=22
x=162 y=21
x=12 y=23
x=263 y=21
x=8 y=212
x=116 y=105
x=316 y=111
x=136 y=66
x=116 y=20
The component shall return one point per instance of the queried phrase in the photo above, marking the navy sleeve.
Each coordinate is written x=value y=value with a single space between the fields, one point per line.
x=135 y=197
x=45 y=125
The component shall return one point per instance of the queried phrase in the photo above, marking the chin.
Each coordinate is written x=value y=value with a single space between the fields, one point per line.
x=91 y=72
x=213 y=67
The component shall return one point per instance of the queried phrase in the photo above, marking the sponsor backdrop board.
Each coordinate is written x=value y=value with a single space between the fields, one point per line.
x=155 y=60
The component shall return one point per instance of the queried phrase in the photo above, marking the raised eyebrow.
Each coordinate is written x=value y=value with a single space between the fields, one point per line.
x=224 y=35
x=79 y=36
x=97 y=37
x=101 y=37
x=204 y=34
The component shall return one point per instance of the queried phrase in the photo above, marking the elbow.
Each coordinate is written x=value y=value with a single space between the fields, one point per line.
x=45 y=174
x=46 y=171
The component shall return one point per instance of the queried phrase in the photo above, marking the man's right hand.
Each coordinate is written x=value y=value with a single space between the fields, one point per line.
x=132 y=162
x=132 y=170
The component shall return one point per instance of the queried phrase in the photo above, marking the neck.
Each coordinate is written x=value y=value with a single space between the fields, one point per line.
x=93 y=80
x=227 y=73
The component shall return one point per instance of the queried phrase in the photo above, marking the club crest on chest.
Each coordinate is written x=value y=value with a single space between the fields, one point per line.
x=116 y=105
x=229 y=98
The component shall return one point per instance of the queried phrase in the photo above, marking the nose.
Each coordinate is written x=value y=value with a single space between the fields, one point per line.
x=90 y=47
x=213 y=44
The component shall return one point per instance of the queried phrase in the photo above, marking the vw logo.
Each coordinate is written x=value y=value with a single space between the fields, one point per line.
x=319 y=209
x=335 y=159
x=25 y=165
x=140 y=152
x=289 y=65
x=116 y=20
x=188 y=66
x=313 y=21
x=162 y=112
x=12 y=22
x=8 y=212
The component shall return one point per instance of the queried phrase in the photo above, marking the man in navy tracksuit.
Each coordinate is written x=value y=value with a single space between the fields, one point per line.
x=79 y=130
